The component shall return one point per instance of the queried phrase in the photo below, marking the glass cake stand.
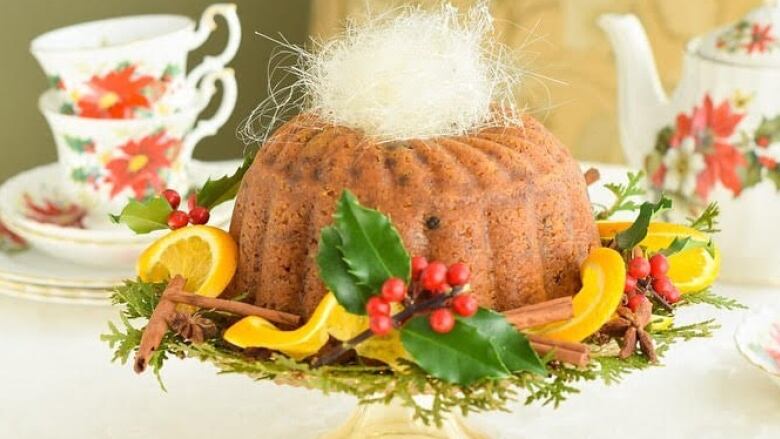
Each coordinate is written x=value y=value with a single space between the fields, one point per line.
x=393 y=420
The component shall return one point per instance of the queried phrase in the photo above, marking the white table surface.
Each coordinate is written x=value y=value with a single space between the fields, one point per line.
x=56 y=381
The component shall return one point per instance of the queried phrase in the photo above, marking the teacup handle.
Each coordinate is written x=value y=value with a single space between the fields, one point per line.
x=209 y=127
x=206 y=26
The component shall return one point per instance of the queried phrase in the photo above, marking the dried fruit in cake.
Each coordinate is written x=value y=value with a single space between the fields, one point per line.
x=510 y=200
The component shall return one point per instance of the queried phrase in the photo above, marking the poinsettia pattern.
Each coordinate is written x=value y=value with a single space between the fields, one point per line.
x=141 y=164
x=123 y=92
x=708 y=147
x=748 y=37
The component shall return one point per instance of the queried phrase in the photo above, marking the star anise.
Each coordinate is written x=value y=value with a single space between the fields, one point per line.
x=631 y=327
x=192 y=327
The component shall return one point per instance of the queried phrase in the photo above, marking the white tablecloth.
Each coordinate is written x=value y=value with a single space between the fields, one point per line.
x=56 y=381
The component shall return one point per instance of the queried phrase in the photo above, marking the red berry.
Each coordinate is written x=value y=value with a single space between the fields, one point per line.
x=662 y=285
x=376 y=306
x=199 y=215
x=418 y=265
x=465 y=305
x=173 y=198
x=639 y=268
x=192 y=201
x=659 y=265
x=762 y=141
x=177 y=219
x=673 y=296
x=441 y=320
x=393 y=290
x=630 y=284
x=458 y=274
x=380 y=325
x=433 y=276
x=635 y=301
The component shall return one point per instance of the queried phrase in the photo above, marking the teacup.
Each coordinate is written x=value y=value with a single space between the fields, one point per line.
x=130 y=67
x=105 y=162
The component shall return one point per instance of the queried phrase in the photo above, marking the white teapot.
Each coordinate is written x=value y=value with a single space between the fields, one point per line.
x=717 y=137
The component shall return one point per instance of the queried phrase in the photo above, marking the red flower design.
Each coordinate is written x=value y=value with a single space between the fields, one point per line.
x=767 y=162
x=759 y=38
x=117 y=95
x=140 y=168
x=711 y=127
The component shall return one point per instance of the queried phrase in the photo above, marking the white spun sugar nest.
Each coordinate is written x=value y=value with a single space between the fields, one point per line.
x=412 y=74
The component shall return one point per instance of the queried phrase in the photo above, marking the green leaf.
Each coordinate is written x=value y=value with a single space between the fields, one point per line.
x=512 y=346
x=79 y=144
x=633 y=235
x=681 y=244
x=336 y=276
x=623 y=195
x=370 y=245
x=144 y=217
x=462 y=356
x=707 y=221
x=216 y=192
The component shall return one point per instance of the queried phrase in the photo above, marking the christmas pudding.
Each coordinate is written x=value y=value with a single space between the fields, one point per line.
x=408 y=231
x=510 y=200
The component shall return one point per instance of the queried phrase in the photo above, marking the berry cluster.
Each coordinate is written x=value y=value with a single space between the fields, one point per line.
x=178 y=218
x=430 y=282
x=644 y=274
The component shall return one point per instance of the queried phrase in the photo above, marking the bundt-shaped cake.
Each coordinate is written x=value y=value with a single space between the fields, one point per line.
x=510 y=201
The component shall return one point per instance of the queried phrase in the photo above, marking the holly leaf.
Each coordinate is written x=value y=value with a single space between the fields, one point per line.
x=216 y=192
x=512 y=347
x=461 y=356
x=144 y=216
x=633 y=235
x=370 y=245
x=336 y=276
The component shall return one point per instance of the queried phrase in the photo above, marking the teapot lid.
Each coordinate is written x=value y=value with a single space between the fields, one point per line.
x=754 y=40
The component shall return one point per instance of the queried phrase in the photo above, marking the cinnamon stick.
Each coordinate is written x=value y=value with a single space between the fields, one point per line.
x=566 y=352
x=158 y=324
x=235 y=307
x=541 y=313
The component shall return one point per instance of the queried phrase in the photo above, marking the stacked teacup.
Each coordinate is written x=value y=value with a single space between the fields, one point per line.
x=123 y=110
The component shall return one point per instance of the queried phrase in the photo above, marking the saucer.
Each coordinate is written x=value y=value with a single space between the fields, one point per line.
x=31 y=206
x=33 y=203
x=758 y=340
x=72 y=296
x=33 y=267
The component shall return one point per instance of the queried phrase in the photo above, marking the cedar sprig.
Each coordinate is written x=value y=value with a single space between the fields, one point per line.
x=707 y=221
x=625 y=195
x=376 y=384
x=707 y=297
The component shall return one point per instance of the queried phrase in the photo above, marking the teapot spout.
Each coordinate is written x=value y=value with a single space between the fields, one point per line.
x=642 y=102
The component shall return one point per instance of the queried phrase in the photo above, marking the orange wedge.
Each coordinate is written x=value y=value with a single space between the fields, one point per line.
x=690 y=270
x=206 y=256
x=603 y=279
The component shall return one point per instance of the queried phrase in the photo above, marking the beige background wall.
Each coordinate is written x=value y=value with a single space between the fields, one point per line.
x=559 y=39
x=25 y=140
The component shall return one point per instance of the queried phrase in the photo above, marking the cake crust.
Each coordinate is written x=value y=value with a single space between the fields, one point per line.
x=510 y=201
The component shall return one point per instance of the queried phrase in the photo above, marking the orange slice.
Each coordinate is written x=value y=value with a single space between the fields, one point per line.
x=206 y=256
x=690 y=270
x=603 y=279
